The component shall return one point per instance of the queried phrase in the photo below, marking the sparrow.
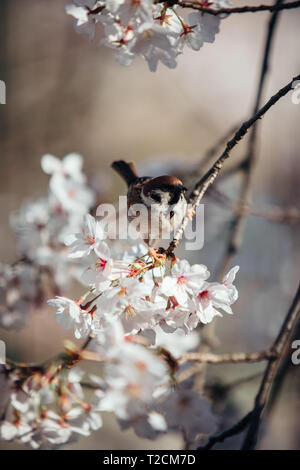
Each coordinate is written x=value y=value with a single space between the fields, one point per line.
x=162 y=196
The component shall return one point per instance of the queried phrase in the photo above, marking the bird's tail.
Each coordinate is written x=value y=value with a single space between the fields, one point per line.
x=126 y=170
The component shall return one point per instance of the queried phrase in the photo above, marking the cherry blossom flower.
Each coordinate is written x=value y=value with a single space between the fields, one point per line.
x=74 y=378
x=70 y=166
x=70 y=315
x=147 y=426
x=99 y=266
x=208 y=24
x=28 y=415
x=153 y=43
x=86 y=13
x=118 y=37
x=131 y=11
x=169 y=19
x=177 y=342
x=175 y=316
x=67 y=182
x=12 y=430
x=184 y=280
x=83 y=243
x=206 y=303
x=156 y=32
x=126 y=300
x=185 y=409
x=111 y=338
x=133 y=308
x=228 y=280
x=192 y=33
x=140 y=315
x=132 y=380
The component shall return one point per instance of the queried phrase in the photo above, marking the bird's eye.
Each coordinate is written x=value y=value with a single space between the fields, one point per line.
x=156 y=197
x=172 y=213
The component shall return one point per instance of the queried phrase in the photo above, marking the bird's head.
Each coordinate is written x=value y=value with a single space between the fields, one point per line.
x=163 y=190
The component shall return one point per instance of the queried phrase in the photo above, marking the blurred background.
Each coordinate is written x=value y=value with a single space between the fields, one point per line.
x=66 y=94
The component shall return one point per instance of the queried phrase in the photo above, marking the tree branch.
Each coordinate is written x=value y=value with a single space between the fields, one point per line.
x=285 y=367
x=244 y=9
x=274 y=356
x=270 y=373
x=207 y=180
x=236 y=429
x=210 y=358
x=249 y=161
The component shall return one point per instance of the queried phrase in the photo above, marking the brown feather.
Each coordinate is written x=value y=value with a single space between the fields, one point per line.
x=126 y=170
x=161 y=181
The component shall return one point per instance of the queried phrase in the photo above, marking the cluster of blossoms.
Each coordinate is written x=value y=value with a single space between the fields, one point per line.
x=156 y=31
x=139 y=291
x=41 y=226
x=49 y=407
x=139 y=315
x=45 y=409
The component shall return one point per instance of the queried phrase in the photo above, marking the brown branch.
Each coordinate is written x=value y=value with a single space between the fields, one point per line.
x=249 y=161
x=211 y=152
x=274 y=356
x=285 y=367
x=244 y=9
x=233 y=170
x=68 y=358
x=189 y=372
x=236 y=429
x=237 y=357
x=278 y=347
x=246 y=166
x=207 y=180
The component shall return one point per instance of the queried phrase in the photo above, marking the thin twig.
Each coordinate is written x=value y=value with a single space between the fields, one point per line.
x=189 y=372
x=270 y=373
x=236 y=429
x=244 y=9
x=62 y=357
x=207 y=180
x=211 y=152
x=248 y=164
x=210 y=358
x=285 y=367
x=86 y=343
x=276 y=352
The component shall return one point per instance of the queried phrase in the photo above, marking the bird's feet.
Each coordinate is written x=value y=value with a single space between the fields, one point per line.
x=158 y=256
